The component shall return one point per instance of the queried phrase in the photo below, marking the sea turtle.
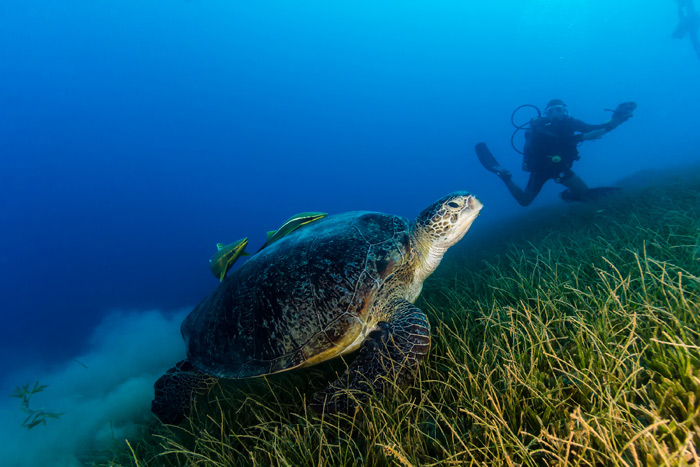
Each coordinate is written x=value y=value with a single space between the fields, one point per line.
x=343 y=282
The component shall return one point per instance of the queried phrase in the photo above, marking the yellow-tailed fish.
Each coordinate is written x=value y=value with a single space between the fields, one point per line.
x=226 y=255
x=291 y=224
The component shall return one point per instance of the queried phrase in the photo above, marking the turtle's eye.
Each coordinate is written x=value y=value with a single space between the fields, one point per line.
x=453 y=205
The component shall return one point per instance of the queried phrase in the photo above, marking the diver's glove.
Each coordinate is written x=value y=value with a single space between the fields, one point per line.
x=622 y=113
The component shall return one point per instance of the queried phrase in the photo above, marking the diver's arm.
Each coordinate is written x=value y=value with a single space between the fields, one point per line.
x=588 y=131
x=695 y=42
x=593 y=134
x=686 y=5
x=621 y=114
x=583 y=127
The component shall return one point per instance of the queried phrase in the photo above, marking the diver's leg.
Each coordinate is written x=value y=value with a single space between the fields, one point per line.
x=534 y=185
x=523 y=197
x=577 y=190
x=574 y=183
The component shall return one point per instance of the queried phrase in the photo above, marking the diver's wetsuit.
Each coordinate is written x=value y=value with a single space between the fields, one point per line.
x=550 y=151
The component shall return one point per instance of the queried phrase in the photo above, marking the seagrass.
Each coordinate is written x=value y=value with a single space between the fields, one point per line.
x=571 y=340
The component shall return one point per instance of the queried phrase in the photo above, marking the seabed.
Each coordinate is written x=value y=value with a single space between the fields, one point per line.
x=571 y=337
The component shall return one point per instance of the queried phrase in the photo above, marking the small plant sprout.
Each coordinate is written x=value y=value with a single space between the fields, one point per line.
x=34 y=417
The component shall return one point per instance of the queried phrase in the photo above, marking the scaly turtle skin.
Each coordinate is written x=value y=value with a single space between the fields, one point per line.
x=343 y=282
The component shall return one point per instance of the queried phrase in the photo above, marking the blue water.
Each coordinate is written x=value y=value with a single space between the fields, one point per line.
x=135 y=135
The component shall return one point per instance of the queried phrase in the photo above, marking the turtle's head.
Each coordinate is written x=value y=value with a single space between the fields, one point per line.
x=445 y=222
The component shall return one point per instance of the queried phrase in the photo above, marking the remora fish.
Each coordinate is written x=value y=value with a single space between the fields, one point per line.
x=291 y=224
x=226 y=255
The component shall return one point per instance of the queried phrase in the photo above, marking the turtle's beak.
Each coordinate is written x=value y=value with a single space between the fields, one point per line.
x=470 y=212
x=474 y=204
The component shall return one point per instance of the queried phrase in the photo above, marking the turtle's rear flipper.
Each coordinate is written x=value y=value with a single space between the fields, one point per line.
x=488 y=161
x=177 y=389
x=392 y=353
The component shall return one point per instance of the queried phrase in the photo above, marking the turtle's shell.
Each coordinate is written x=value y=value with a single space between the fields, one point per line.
x=306 y=298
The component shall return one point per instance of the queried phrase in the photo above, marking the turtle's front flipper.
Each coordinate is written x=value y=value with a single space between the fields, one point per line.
x=391 y=353
x=177 y=389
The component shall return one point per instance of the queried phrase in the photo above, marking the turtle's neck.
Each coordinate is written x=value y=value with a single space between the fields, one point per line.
x=428 y=256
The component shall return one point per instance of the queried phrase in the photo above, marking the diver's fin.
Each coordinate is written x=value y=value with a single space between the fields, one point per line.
x=489 y=162
x=592 y=194
x=485 y=157
x=219 y=246
x=602 y=192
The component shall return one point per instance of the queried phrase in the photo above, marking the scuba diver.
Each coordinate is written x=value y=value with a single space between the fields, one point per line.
x=550 y=151
x=688 y=23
